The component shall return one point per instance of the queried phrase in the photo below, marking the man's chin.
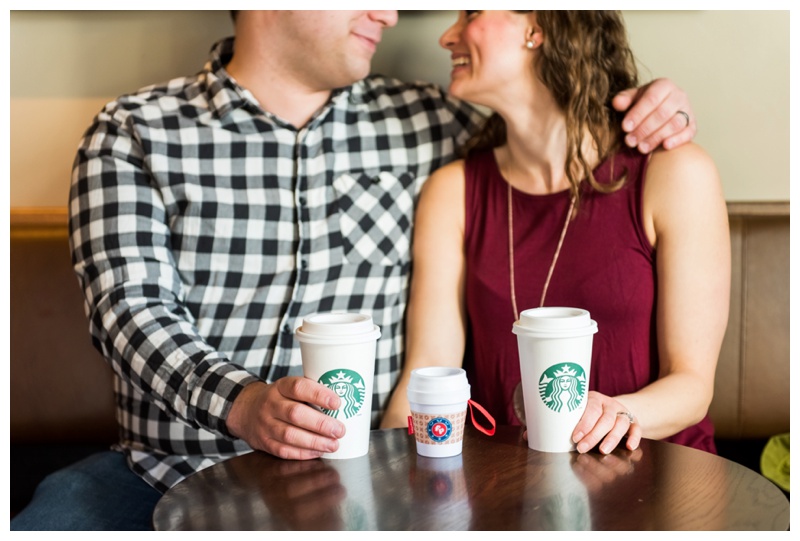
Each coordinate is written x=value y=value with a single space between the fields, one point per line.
x=353 y=75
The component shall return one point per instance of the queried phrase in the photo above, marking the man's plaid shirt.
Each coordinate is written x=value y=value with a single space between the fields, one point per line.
x=204 y=228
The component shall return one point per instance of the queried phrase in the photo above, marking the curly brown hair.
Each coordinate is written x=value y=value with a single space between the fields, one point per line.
x=584 y=61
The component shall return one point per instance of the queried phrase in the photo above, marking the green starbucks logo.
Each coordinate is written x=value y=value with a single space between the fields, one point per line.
x=350 y=387
x=562 y=387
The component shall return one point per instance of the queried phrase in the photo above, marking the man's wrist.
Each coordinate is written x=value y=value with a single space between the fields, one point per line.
x=236 y=419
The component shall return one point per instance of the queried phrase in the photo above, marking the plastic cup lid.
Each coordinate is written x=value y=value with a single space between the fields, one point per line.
x=555 y=321
x=438 y=385
x=336 y=326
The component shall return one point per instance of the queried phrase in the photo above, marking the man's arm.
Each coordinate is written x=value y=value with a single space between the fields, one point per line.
x=134 y=298
x=653 y=116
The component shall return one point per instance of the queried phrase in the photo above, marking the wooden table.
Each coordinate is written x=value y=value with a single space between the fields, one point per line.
x=497 y=483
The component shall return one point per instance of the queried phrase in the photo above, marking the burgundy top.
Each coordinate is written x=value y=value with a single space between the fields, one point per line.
x=606 y=266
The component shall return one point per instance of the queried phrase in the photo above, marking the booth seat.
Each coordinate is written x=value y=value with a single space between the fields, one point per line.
x=62 y=404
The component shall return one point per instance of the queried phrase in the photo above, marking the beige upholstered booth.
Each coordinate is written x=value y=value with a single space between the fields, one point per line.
x=62 y=402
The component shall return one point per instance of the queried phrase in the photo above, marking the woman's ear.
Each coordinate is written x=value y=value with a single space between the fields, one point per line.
x=533 y=32
x=533 y=37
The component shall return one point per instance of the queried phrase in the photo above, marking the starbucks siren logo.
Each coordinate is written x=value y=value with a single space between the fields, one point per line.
x=563 y=387
x=350 y=388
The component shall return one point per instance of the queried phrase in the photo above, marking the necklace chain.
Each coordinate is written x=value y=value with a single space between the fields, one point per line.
x=511 y=252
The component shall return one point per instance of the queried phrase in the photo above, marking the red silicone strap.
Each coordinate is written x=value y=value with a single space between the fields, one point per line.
x=475 y=405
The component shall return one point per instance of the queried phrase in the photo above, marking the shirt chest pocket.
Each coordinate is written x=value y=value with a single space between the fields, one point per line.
x=375 y=216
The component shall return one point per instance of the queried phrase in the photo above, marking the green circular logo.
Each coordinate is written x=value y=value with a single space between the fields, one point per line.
x=350 y=387
x=562 y=387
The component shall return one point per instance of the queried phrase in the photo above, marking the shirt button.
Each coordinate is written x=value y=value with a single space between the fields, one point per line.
x=303 y=201
x=286 y=329
x=304 y=263
x=376 y=179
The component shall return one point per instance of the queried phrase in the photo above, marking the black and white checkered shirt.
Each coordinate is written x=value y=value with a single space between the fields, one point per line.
x=203 y=228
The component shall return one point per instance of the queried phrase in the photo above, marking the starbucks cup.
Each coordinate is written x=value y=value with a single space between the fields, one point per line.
x=438 y=398
x=555 y=354
x=338 y=351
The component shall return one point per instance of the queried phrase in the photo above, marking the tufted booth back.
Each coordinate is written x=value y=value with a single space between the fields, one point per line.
x=61 y=388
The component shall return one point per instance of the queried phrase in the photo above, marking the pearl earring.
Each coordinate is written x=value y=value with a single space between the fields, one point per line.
x=530 y=44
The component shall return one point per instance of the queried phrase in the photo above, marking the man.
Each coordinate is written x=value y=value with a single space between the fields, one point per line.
x=210 y=214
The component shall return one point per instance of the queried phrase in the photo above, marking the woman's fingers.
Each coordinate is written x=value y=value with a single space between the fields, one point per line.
x=605 y=420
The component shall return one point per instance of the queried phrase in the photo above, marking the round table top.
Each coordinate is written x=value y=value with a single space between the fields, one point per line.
x=497 y=483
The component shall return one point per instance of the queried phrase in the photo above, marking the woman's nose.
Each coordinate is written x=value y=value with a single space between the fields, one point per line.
x=450 y=36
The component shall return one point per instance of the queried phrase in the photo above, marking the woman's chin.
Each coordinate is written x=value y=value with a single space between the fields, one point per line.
x=457 y=90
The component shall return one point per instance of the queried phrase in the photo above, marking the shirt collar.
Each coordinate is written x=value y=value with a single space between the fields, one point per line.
x=225 y=95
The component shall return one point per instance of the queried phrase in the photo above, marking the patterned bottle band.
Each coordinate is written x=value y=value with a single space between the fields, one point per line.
x=439 y=429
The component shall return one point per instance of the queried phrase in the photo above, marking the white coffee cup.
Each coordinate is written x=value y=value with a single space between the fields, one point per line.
x=438 y=399
x=338 y=350
x=555 y=356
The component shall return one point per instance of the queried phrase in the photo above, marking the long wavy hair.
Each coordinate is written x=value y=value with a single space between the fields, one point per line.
x=584 y=61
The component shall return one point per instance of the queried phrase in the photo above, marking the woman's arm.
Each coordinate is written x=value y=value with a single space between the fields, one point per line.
x=687 y=222
x=436 y=320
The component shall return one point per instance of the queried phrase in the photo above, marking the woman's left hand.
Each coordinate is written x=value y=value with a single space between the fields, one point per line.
x=605 y=419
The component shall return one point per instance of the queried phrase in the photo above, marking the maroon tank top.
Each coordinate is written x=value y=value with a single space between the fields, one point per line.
x=606 y=266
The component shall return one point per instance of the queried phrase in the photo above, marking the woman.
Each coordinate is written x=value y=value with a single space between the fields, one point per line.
x=550 y=208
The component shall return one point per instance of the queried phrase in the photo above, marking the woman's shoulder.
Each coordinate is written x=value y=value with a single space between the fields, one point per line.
x=681 y=183
x=681 y=172
x=680 y=163
x=445 y=182
x=477 y=163
x=447 y=174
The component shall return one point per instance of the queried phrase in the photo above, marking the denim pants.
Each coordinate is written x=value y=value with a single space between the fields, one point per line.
x=99 y=492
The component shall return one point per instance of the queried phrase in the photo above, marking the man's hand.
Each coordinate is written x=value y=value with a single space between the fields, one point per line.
x=278 y=419
x=653 y=116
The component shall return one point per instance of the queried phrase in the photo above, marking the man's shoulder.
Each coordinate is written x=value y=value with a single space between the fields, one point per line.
x=380 y=87
x=384 y=83
x=418 y=104
x=167 y=95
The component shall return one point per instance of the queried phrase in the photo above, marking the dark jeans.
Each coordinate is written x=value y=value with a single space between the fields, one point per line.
x=98 y=493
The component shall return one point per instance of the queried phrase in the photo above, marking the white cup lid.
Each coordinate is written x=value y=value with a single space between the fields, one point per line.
x=555 y=321
x=438 y=385
x=336 y=326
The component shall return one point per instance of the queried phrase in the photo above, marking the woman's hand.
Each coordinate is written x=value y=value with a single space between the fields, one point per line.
x=605 y=419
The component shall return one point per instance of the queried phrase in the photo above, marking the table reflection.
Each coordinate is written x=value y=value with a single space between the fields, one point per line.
x=497 y=483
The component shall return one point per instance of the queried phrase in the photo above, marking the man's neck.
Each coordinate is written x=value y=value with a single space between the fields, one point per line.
x=276 y=90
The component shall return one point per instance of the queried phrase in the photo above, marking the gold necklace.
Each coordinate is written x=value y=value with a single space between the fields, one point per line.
x=511 y=252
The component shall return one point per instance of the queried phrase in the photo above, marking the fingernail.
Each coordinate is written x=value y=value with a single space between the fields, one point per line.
x=338 y=432
x=333 y=403
x=627 y=125
x=644 y=148
x=578 y=437
x=582 y=448
x=630 y=141
x=605 y=449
